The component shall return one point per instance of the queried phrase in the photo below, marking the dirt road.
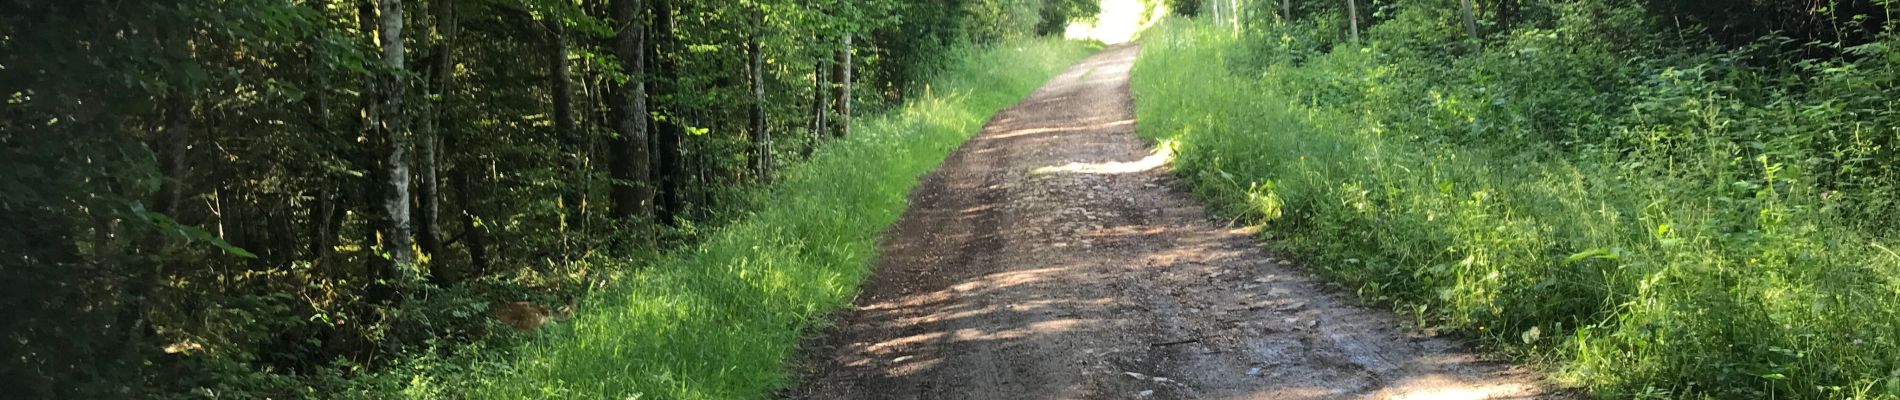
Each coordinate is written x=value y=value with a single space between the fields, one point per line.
x=1053 y=257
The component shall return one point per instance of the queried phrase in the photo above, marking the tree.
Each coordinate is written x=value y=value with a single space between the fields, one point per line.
x=388 y=128
x=841 y=95
x=1352 y=18
x=441 y=74
x=820 y=108
x=632 y=197
x=561 y=90
x=755 y=70
x=1471 y=25
x=671 y=174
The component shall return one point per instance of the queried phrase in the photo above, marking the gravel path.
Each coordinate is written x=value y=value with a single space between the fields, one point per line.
x=1053 y=257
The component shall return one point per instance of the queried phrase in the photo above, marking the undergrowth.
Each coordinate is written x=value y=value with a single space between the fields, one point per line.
x=1649 y=226
x=719 y=320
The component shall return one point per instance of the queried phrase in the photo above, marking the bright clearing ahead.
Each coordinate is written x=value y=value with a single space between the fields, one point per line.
x=1117 y=23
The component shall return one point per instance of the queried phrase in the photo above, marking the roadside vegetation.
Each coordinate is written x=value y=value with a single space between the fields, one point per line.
x=1655 y=199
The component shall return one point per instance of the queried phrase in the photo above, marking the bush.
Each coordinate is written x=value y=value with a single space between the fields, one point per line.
x=1651 y=219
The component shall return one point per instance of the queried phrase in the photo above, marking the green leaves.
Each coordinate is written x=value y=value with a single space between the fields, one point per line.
x=1600 y=253
x=185 y=233
x=564 y=12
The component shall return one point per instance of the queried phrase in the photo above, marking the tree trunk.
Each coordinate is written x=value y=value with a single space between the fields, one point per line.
x=761 y=138
x=1240 y=14
x=428 y=198
x=592 y=116
x=842 y=96
x=632 y=194
x=472 y=237
x=1213 y=10
x=1471 y=26
x=441 y=74
x=561 y=88
x=371 y=189
x=388 y=126
x=321 y=238
x=671 y=170
x=819 y=107
x=1352 y=17
x=325 y=219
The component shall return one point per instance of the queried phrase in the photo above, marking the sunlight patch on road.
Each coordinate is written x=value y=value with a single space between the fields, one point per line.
x=1160 y=157
x=1446 y=388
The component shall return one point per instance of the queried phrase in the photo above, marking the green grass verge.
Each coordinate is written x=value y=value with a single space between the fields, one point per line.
x=1693 y=282
x=719 y=320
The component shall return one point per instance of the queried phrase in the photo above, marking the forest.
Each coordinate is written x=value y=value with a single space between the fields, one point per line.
x=356 y=198
x=607 y=199
x=1648 y=198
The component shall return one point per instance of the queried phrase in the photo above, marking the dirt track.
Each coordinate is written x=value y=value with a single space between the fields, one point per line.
x=1052 y=257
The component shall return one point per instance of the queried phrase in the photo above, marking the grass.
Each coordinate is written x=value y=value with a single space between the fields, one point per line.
x=1714 y=275
x=719 y=320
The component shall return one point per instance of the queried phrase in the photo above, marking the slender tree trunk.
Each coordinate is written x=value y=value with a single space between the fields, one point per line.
x=367 y=203
x=428 y=195
x=472 y=237
x=441 y=75
x=560 y=84
x=632 y=193
x=1286 y=11
x=1352 y=18
x=842 y=96
x=761 y=138
x=672 y=173
x=593 y=117
x=322 y=240
x=1240 y=14
x=389 y=127
x=1213 y=10
x=703 y=175
x=1471 y=26
x=819 y=106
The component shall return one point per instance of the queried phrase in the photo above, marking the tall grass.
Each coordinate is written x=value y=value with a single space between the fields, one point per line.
x=718 y=321
x=1708 y=272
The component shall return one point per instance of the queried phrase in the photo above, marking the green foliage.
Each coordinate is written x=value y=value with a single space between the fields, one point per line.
x=1057 y=14
x=1652 y=215
x=924 y=32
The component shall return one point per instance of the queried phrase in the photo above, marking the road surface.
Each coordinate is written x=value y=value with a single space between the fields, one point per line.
x=1053 y=257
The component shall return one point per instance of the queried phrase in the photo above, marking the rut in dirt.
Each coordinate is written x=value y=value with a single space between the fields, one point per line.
x=1053 y=257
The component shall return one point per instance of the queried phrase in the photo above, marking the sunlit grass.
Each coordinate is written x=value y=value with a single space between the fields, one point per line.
x=719 y=320
x=1625 y=282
